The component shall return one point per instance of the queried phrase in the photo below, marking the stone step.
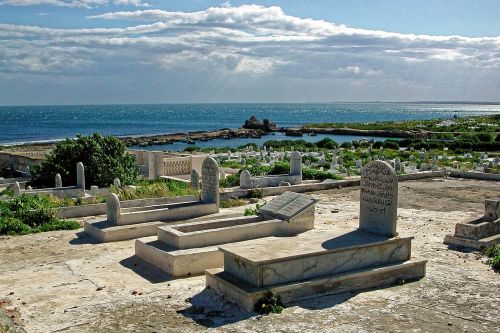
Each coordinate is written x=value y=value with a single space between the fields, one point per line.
x=472 y=243
x=105 y=231
x=275 y=260
x=177 y=262
x=240 y=292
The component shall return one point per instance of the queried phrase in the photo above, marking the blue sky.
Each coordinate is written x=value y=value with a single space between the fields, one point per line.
x=141 y=51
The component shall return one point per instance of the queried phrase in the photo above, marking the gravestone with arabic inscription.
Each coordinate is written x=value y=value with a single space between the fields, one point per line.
x=378 y=199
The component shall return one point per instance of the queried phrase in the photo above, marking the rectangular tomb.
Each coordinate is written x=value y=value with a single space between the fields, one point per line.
x=269 y=261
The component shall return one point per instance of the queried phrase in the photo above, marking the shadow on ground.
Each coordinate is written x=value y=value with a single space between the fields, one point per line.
x=146 y=270
x=83 y=238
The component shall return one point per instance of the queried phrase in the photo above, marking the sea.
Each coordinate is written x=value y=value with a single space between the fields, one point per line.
x=27 y=124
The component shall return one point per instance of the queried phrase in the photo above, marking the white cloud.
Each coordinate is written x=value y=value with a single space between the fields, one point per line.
x=249 y=40
x=75 y=3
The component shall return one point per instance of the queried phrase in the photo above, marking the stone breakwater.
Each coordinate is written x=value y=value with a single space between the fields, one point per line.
x=161 y=139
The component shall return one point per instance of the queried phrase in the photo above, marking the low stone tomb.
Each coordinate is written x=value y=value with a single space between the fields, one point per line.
x=59 y=190
x=128 y=223
x=294 y=177
x=191 y=248
x=480 y=232
x=318 y=263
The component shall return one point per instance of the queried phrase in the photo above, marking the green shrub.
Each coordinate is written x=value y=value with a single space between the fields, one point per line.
x=377 y=144
x=316 y=174
x=389 y=144
x=485 y=137
x=12 y=226
x=256 y=193
x=104 y=159
x=493 y=253
x=271 y=303
x=346 y=145
x=26 y=214
x=280 y=168
x=252 y=211
x=231 y=180
x=327 y=143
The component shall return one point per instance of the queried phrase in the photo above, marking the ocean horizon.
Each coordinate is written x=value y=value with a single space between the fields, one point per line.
x=27 y=124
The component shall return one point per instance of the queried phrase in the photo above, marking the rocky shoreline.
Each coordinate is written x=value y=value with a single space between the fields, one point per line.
x=228 y=134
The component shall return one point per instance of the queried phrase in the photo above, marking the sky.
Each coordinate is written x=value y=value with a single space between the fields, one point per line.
x=182 y=51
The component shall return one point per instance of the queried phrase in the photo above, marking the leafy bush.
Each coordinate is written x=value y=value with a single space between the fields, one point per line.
x=257 y=193
x=327 y=143
x=485 y=137
x=493 y=253
x=316 y=174
x=280 y=168
x=390 y=144
x=26 y=214
x=252 y=211
x=346 y=145
x=271 y=303
x=231 y=180
x=377 y=144
x=104 y=158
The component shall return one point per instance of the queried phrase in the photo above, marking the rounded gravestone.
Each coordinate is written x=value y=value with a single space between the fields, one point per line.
x=378 y=199
x=245 y=179
x=113 y=208
x=195 y=179
x=210 y=181
x=80 y=175
x=58 y=180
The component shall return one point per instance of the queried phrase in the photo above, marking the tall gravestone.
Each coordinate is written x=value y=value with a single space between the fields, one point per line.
x=195 y=179
x=113 y=208
x=17 y=189
x=58 y=180
x=210 y=181
x=378 y=199
x=80 y=175
x=295 y=163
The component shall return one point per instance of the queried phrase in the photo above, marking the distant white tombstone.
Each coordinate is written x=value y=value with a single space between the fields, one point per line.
x=17 y=189
x=94 y=190
x=58 y=180
x=80 y=175
x=117 y=182
x=378 y=199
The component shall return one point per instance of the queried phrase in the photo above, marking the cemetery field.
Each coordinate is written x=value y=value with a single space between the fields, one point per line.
x=57 y=282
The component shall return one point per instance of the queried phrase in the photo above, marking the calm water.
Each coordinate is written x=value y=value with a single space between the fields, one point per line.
x=37 y=123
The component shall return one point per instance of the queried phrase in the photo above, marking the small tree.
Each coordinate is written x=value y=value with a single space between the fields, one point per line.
x=104 y=159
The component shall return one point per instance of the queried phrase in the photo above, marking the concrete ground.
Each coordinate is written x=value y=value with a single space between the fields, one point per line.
x=58 y=282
